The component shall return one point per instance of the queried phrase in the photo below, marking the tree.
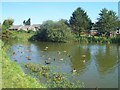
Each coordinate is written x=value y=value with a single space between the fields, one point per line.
x=24 y=22
x=80 y=21
x=108 y=21
x=28 y=22
x=7 y=23
x=54 y=32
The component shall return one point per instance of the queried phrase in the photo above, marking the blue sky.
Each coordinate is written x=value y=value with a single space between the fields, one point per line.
x=42 y=11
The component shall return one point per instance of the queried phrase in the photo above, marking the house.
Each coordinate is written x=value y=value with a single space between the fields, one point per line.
x=33 y=27
x=37 y=26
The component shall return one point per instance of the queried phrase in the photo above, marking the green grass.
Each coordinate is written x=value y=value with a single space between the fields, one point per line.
x=12 y=74
x=98 y=39
x=1 y=44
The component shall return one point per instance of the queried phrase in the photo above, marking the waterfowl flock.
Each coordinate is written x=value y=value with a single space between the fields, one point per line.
x=49 y=59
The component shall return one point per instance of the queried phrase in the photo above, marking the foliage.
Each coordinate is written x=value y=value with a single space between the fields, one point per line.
x=97 y=39
x=7 y=34
x=54 y=32
x=80 y=21
x=54 y=80
x=116 y=39
x=108 y=21
x=7 y=23
x=119 y=23
x=30 y=31
x=28 y=22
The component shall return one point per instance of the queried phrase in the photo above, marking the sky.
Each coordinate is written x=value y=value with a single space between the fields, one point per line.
x=42 y=11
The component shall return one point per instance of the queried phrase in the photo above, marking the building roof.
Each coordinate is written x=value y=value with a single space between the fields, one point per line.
x=36 y=25
x=26 y=27
x=15 y=26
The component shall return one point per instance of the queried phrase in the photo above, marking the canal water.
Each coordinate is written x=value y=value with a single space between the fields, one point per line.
x=96 y=64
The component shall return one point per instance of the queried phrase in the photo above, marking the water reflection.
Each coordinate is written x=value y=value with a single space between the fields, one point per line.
x=106 y=59
x=80 y=57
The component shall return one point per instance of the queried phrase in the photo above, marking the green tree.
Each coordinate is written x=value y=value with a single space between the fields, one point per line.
x=80 y=21
x=119 y=23
x=24 y=23
x=7 y=23
x=54 y=32
x=108 y=21
x=28 y=22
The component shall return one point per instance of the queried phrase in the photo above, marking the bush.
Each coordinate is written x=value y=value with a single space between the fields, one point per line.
x=30 y=31
x=22 y=31
x=54 y=32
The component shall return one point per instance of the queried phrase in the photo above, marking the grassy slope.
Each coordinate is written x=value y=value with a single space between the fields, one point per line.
x=12 y=74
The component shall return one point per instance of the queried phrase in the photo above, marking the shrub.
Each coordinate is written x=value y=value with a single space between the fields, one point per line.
x=54 y=32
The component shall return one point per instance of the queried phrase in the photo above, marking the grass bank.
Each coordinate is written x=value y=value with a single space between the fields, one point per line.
x=98 y=39
x=12 y=74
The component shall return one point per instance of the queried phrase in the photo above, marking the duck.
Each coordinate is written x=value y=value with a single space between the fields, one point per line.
x=64 y=51
x=28 y=51
x=69 y=55
x=46 y=47
x=59 y=52
x=28 y=57
x=13 y=53
x=61 y=59
x=47 y=62
x=83 y=56
x=42 y=55
x=49 y=58
x=84 y=61
x=74 y=70
x=15 y=60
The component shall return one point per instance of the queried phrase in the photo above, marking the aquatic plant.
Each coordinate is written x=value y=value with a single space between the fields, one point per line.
x=54 y=80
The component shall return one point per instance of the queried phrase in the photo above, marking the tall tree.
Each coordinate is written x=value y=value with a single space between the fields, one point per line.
x=24 y=23
x=108 y=21
x=80 y=21
x=28 y=22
